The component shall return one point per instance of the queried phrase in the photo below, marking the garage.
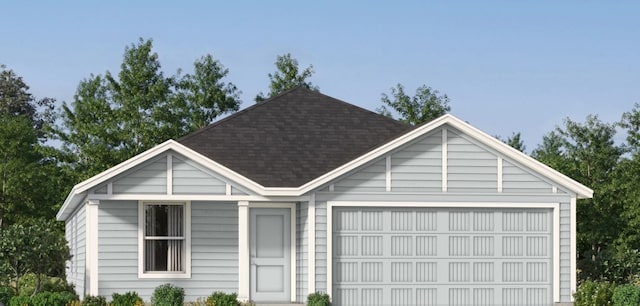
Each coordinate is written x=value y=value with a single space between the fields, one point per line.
x=442 y=256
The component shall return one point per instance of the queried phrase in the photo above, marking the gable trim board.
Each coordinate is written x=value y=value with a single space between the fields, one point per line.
x=75 y=196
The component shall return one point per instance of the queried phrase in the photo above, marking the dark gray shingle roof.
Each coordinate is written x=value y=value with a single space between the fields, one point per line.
x=293 y=138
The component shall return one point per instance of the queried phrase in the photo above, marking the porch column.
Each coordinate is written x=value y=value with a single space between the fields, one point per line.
x=91 y=260
x=243 y=250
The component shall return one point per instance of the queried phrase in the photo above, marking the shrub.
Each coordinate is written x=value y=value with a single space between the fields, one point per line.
x=592 y=293
x=91 y=300
x=5 y=295
x=626 y=295
x=126 y=299
x=220 y=298
x=167 y=295
x=44 y=299
x=318 y=299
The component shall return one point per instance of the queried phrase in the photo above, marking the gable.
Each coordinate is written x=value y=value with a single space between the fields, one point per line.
x=168 y=173
x=446 y=160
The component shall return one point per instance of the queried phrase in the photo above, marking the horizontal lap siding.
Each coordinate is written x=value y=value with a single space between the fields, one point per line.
x=75 y=233
x=214 y=249
x=148 y=178
x=517 y=180
x=418 y=167
x=321 y=246
x=470 y=167
x=302 y=227
x=369 y=179
x=188 y=179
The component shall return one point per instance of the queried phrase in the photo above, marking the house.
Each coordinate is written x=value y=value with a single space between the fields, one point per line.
x=306 y=193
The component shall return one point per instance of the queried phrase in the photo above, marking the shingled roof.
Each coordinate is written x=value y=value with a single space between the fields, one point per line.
x=293 y=138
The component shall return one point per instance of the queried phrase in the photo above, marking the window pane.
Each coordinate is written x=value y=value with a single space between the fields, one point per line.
x=164 y=220
x=164 y=255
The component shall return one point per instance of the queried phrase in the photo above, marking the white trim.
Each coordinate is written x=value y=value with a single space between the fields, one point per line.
x=388 y=173
x=243 y=251
x=109 y=188
x=78 y=191
x=187 y=241
x=572 y=266
x=169 y=174
x=292 y=246
x=554 y=189
x=499 y=174
x=91 y=214
x=194 y=197
x=227 y=189
x=311 y=244
x=553 y=205
x=556 y=253
x=445 y=158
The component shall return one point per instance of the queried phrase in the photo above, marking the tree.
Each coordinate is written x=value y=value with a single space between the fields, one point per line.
x=36 y=247
x=424 y=106
x=515 y=141
x=31 y=182
x=587 y=153
x=112 y=119
x=287 y=76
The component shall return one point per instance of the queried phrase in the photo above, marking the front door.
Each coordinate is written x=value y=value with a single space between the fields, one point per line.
x=270 y=254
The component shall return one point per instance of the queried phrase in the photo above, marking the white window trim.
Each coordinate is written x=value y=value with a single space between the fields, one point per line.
x=187 y=242
x=555 y=206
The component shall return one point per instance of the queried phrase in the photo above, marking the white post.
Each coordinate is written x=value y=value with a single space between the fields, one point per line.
x=92 y=247
x=243 y=250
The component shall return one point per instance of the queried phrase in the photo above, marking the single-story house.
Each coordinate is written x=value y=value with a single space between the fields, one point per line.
x=304 y=193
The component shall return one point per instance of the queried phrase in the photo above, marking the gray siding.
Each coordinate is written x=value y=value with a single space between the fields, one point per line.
x=302 y=227
x=418 y=166
x=214 y=250
x=148 y=178
x=321 y=246
x=371 y=178
x=470 y=167
x=189 y=179
x=75 y=233
x=517 y=180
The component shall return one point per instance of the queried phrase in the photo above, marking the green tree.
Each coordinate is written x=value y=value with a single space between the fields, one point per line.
x=587 y=153
x=287 y=76
x=424 y=106
x=31 y=182
x=112 y=119
x=515 y=141
x=37 y=246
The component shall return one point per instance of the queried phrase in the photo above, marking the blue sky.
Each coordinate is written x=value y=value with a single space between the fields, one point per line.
x=507 y=66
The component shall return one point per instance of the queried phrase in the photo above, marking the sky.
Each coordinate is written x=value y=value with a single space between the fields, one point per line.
x=507 y=66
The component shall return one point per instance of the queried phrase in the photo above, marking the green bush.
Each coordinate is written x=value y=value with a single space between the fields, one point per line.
x=126 y=299
x=5 y=295
x=167 y=295
x=91 y=300
x=44 y=299
x=626 y=295
x=318 y=299
x=20 y=300
x=592 y=293
x=220 y=298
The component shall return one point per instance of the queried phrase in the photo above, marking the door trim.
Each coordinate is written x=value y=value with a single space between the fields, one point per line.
x=555 y=206
x=245 y=280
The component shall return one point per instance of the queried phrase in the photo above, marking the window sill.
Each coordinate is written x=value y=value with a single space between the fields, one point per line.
x=167 y=275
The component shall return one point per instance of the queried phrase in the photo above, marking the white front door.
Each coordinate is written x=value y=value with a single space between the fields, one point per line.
x=270 y=241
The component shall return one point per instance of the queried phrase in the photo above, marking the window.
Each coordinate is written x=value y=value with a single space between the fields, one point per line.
x=164 y=240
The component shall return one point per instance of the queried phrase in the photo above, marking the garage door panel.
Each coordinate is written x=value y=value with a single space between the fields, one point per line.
x=427 y=256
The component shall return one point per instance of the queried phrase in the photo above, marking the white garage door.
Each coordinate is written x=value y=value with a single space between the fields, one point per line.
x=438 y=256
